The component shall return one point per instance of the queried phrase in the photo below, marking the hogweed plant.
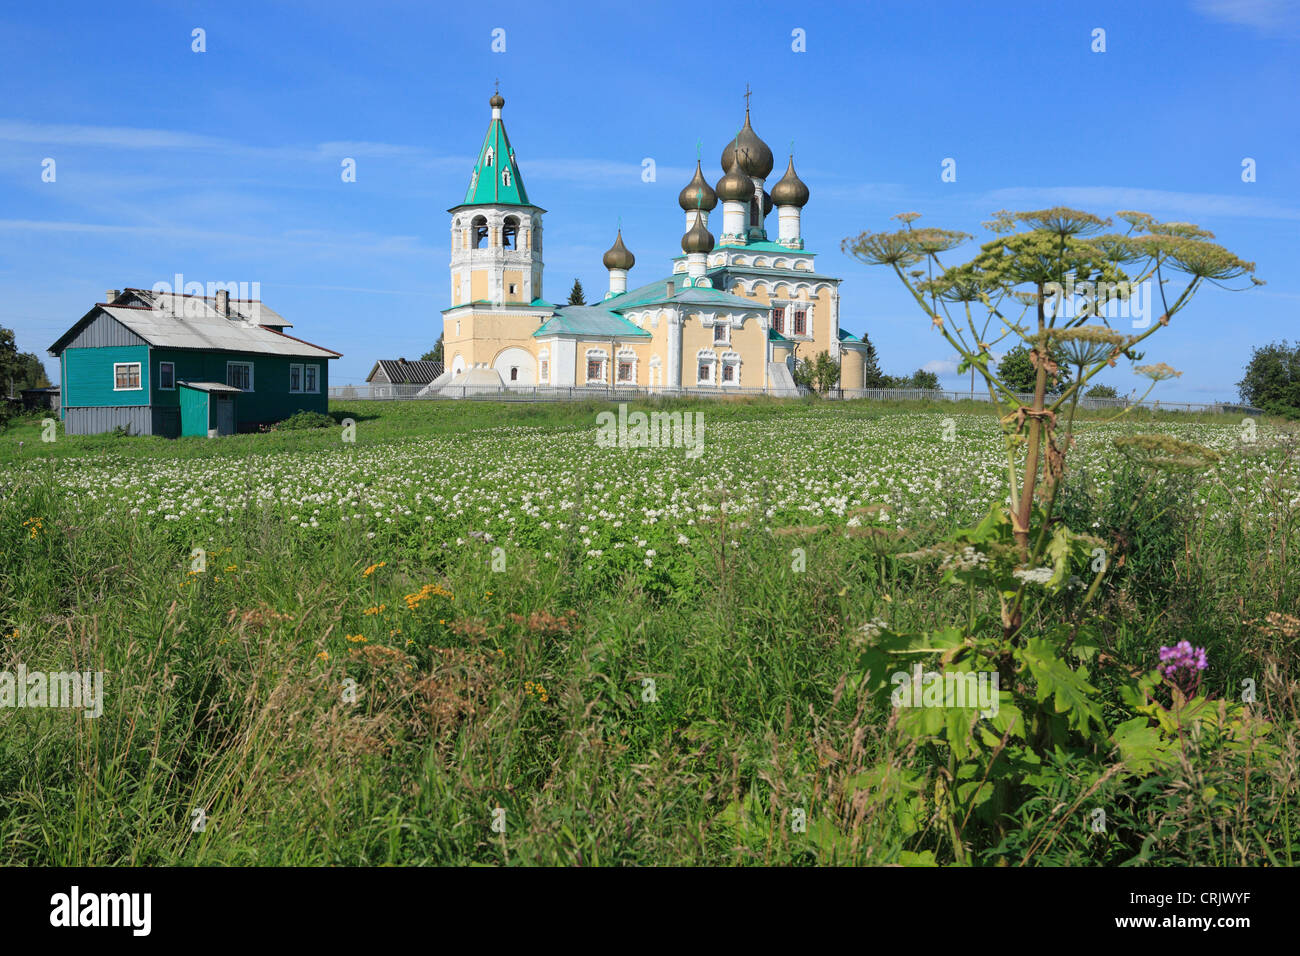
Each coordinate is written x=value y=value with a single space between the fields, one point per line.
x=1051 y=280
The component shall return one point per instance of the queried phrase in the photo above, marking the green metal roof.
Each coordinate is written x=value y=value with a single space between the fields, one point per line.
x=589 y=320
x=496 y=176
x=656 y=293
x=774 y=336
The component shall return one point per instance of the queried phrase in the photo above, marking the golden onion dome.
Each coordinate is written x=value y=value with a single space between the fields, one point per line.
x=767 y=202
x=755 y=157
x=698 y=194
x=497 y=101
x=697 y=238
x=619 y=256
x=790 y=191
x=736 y=186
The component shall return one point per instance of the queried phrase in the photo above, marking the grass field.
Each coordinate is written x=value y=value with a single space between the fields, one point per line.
x=475 y=635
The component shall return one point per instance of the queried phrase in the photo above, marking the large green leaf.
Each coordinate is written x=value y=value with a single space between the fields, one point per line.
x=1071 y=694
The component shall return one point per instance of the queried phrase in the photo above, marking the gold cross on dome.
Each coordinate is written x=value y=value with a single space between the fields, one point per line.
x=747 y=96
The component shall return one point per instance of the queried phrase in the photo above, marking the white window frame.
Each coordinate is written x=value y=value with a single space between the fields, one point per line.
x=601 y=356
x=711 y=360
x=722 y=326
x=299 y=367
x=315 y=371
x=250 y=375
x=161 y=386
x=729 y=360
x=630 y=358
x=139 y=376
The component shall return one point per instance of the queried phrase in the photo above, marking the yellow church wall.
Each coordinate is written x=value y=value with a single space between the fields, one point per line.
x=478 y=285
x=513 y=277
x=851 y=368
x=747 y=342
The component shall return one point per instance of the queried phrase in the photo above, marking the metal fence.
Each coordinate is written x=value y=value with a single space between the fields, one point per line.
x=569 y=393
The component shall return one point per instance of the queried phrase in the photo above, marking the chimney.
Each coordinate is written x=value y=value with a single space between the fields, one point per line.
x=668 y=293
x=110 y=295
x=402 y=360
x=223 y=302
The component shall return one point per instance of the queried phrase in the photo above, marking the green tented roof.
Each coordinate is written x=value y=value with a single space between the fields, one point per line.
x=774 y=336
x=490 y=182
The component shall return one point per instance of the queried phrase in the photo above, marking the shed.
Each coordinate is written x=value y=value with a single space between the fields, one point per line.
x=207 y=408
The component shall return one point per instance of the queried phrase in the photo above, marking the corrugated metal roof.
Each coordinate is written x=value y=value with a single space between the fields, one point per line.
x=253 y=311
x=201 y=327
x=210 y=386
x=403 y=372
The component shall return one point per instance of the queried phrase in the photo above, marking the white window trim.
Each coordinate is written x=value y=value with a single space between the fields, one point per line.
x=630 y=358
x=250 y=373
x=704 y=357
x=161 y=386
x=305 y=389
x=597 y=355
x=129 y=388
x=733 y=360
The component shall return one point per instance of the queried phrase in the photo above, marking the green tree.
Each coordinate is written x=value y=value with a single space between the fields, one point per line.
x=923 y=379
x=872 y=376
x=1272 y=379
x=826 y=372
x=1101 y=391
x=1019 y=373
x=18 y=370
x=576 y=295
x=436 y=354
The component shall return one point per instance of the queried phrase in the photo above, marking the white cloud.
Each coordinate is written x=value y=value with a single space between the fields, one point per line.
x=1156 y=201
x=1277 y=17
x=940 y=367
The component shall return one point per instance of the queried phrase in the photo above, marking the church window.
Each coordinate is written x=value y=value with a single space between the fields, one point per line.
x=513 y=289
x=625 y=370
x=479 y=229
x=595 y=370
x=505 y=176
x=778 y=320
x=546 y=371
x=721 y=332
x=514 y=373
x=487 y=159
x=728 y=372
x=705 y=373
x=510 y=233
x=800 y=321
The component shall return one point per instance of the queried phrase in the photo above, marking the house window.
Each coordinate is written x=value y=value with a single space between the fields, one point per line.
x=800 y=321
x=595 y=370
x=240 y=375
x=126 y=376
x=778 y=320
x=295 y=378
x=625 y=370
x=311 y=379
x=721 y=333
x=167 y=376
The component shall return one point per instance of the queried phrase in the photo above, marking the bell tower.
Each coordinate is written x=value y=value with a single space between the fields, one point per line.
x=496 y=233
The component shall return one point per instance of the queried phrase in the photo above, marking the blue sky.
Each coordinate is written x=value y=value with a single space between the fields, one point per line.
x=225 y=165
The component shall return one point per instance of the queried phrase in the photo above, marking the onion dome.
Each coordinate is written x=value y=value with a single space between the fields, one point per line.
x=790 y=191
x=497 y=101
x=618 y=256
x=767 y=202
x=755 y=157
x=697 y=238
x=698 y=194
x=736 y=186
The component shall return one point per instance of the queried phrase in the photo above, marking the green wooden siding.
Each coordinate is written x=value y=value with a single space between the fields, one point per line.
x=269 y=401
x=88 y=375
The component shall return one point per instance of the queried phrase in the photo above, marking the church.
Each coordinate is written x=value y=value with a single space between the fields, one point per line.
x=735 y=312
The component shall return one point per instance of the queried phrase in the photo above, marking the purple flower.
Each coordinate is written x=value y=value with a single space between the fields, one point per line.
x=1182 y=664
